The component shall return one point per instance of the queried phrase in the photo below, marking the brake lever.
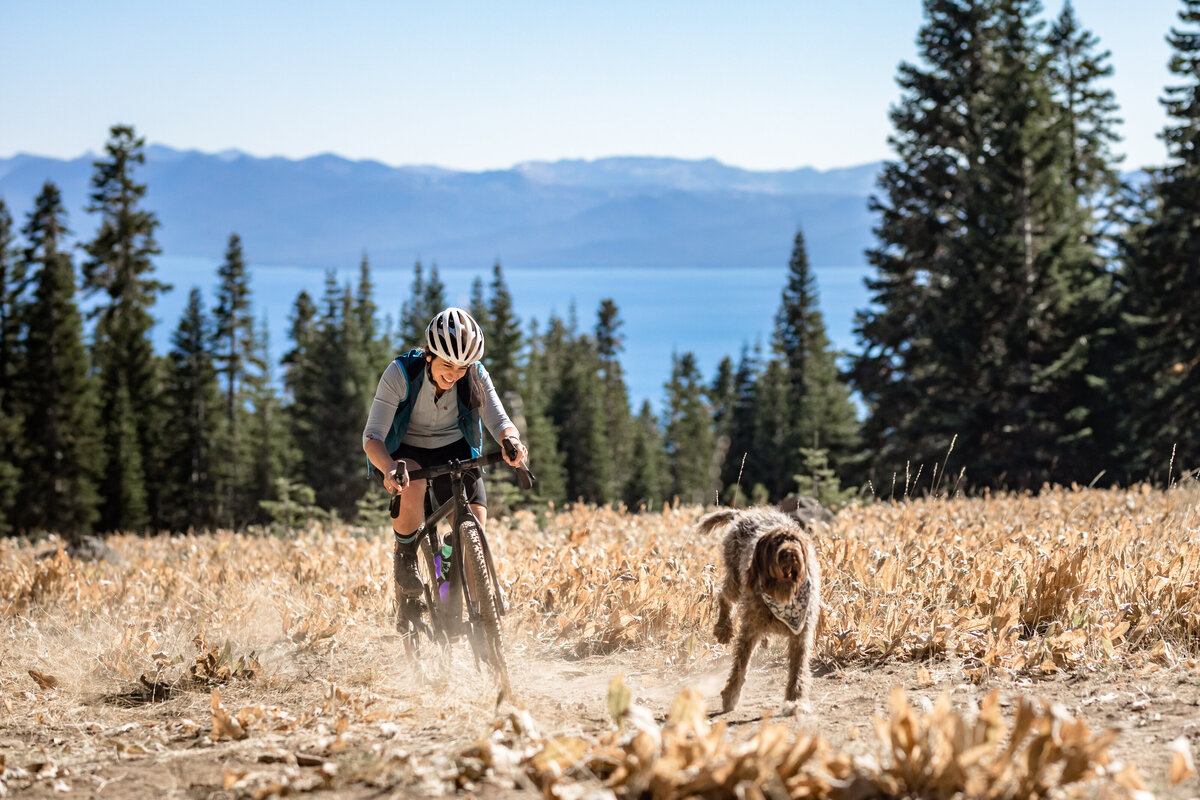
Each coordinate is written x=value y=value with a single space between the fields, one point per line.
x=525 y=478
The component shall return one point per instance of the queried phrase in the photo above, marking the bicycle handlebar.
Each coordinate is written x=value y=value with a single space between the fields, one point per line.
x=524 y=477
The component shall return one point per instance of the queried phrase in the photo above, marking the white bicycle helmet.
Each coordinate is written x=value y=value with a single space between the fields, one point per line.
x=455 y=336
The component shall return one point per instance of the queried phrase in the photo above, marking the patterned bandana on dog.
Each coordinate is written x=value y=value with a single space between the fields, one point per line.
x=794 y=611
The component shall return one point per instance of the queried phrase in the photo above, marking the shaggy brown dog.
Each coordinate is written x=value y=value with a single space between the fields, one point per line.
x=771 y=574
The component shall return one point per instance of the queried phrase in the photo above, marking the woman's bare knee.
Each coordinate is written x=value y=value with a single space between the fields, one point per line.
x=412 y=504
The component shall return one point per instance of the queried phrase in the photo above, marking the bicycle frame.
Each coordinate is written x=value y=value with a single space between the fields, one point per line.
x=458 y=505
x=448 y=585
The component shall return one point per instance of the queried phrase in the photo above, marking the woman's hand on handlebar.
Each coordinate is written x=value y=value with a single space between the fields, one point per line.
x=515 y=452
x=395 y=479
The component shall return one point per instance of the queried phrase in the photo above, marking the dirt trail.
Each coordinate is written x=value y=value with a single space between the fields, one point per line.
x=402 y=735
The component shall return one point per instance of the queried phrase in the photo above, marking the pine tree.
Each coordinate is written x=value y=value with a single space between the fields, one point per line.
x=266 y=426
x=233 y=338
x=1163 y=278
x=690 y=445
x=504 y=337
x=647 y=463
x=194 y=412
x=433 y=300
x=478 y=307
x=298 y=362
x=539 y=434
x=58 y=477
x=327 y=414
x=984 y=298
x=618 y=421
x=120 y=264
x=576 y=406
x=374 y=345
x=817 y=404
x=771 y=463
x=739 y=470
x=426 y=299
x=1088 y=121
x=722 y=397
x=12 y=288
x=301 y=383
x=413 y=319
x=1091 y=342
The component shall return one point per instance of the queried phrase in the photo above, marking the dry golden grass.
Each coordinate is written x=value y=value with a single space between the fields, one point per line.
x=244 y=636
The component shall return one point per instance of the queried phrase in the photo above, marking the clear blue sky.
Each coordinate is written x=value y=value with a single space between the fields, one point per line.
x=474 y=85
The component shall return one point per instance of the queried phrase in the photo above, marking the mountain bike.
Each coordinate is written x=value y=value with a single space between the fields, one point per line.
x=457 y=572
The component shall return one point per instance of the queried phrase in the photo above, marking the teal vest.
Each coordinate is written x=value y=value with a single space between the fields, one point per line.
x=470 y=399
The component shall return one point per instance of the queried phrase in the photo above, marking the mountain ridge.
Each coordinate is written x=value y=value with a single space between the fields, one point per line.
x=324 y=210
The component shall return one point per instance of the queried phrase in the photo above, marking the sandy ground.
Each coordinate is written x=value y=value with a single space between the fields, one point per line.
x=396 y=730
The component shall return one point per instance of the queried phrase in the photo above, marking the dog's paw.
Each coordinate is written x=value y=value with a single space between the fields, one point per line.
x=729 y=701
x=724 y=633
x=794 y=708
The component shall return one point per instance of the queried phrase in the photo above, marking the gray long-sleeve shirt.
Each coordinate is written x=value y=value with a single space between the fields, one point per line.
x=434 y=421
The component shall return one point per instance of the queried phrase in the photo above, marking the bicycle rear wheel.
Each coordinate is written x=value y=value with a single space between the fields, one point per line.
x=483 y=591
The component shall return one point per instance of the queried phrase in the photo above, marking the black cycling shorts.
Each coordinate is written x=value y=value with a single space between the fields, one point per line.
x=435 y=457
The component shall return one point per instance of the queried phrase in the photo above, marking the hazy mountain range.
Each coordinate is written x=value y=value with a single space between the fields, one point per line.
x=326 y=210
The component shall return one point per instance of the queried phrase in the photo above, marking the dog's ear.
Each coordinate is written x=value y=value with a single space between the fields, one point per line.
x=780 y=564
x=764 y=560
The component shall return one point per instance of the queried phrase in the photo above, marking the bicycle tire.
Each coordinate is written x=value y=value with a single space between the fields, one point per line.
x=489 y=617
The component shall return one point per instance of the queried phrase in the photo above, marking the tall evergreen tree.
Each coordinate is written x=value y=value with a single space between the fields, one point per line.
x=647 y=463
x=983 y=297
x=426 y=298
x=478 y=307
x=771 y=462
x=818 y=409
x=194 y=411
x=1163 y=276
x=58 y=472
x=618 y=421
x=433 y=300
x=690 y=445
x=327 y=412
x=413 y=318
x=297 y=362
x=12 y=289
x=1088 y=122
x=722 y=397
x=266 y=426
x=576 y=406
x=234 y=342
x=374 y=345
x=739 y=471
x=539 y=434
x=504 y=339
x=1093 y=221
x=119 y=264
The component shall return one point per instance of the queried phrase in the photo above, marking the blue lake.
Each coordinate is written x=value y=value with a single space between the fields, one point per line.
x=710 y=312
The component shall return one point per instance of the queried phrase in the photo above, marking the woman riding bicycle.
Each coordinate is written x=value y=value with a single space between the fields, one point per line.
x=429 y=409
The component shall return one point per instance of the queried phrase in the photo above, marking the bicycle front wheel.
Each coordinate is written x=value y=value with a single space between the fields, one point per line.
x=484 y=594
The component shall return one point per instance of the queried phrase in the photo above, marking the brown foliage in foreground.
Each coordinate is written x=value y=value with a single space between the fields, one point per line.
x=1013 y=586
x=939 y=754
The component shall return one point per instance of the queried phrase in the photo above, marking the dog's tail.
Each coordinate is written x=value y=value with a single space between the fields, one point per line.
x=717 y=519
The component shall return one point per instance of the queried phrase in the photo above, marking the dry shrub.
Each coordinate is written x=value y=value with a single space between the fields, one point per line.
x=1070 y=580
x=938 y=754
x=1007 y=585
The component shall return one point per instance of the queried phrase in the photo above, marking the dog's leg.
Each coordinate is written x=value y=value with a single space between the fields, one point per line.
x=723 y=630
x=799 y=685
x=747 y=639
